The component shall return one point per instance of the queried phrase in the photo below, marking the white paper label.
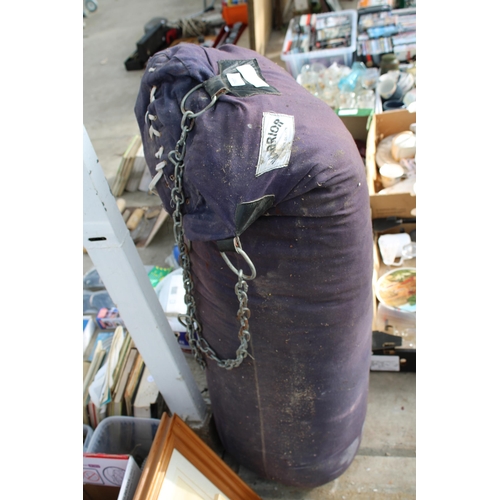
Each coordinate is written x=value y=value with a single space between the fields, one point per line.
x=301 y=5
x=235 y=79
x=347 y=111
x=250 y=75
x=381 y=363
x=275 y=142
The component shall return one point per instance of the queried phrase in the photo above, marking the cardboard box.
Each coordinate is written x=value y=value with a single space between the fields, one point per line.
x=387 y=205
x=358 y=124
x=109 y=477
x=390 y=352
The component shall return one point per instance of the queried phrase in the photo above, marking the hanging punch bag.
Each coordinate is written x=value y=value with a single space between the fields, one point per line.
x=270 y=206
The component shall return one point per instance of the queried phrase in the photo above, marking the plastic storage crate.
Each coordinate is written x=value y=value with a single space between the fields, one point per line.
x=124 y=436
x=341 y=55
x=87 y=435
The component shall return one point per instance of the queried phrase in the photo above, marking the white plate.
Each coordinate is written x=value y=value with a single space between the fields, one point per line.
x=383 y=154
x=397 y=289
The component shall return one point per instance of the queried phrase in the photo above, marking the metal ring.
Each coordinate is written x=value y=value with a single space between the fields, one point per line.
x=239 y=249
x=183 y=102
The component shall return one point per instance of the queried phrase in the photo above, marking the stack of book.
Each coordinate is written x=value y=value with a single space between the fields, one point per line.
x=130 y=171
x=128 y=388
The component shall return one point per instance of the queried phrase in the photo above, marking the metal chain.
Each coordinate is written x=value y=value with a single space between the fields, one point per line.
x=198 y=344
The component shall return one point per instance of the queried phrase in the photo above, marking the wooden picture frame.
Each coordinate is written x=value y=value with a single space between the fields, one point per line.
x=181 y=466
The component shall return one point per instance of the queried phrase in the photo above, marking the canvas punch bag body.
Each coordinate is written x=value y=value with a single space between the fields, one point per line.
x=270 y=207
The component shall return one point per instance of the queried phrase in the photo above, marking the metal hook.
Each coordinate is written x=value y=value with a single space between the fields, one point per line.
x=239 y=249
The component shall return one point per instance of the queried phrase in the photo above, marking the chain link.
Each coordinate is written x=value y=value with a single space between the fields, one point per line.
x=197 y=343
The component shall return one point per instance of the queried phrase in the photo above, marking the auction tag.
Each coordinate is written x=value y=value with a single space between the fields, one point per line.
x=381 y=363
x=249 y=73
x=235 y=79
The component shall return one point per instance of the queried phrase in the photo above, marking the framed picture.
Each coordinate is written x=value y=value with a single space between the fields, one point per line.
x=181 y=466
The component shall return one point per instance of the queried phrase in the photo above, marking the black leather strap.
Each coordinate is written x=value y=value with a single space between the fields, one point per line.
x=246 y=214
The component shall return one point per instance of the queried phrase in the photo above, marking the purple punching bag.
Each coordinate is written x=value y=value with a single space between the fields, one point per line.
x=270 y=205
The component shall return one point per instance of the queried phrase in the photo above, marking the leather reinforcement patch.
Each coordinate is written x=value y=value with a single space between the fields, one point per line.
x=239 y=77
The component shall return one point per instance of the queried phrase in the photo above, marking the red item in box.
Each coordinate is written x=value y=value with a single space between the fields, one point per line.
x=235 y=13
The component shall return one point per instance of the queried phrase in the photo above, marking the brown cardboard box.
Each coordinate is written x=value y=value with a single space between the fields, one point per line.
x=109 y=477
x=387 y=205
x=99 y=492
x=358 y=125
x=398 y=357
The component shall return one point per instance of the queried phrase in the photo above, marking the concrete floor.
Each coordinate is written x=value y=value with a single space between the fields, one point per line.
x=385 y=466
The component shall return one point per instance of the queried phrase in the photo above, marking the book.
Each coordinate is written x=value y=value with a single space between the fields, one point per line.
x=116 y=407
x=99 y=388
x=96 y=415
x=105 y=339
x=148 y=402
x=145 y=181
x=137 y=171
x=114 y=356
x=122 y=357
x=86 y=366
x=132 y=384
x=93 y=368
x=125 y=167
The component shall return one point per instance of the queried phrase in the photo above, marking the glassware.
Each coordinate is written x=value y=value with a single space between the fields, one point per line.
x=329 y=95
x=309 y=79
x=349 y=82
x=369 y=78
x=388 y=62
x=365 y=99
x=346 y=100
